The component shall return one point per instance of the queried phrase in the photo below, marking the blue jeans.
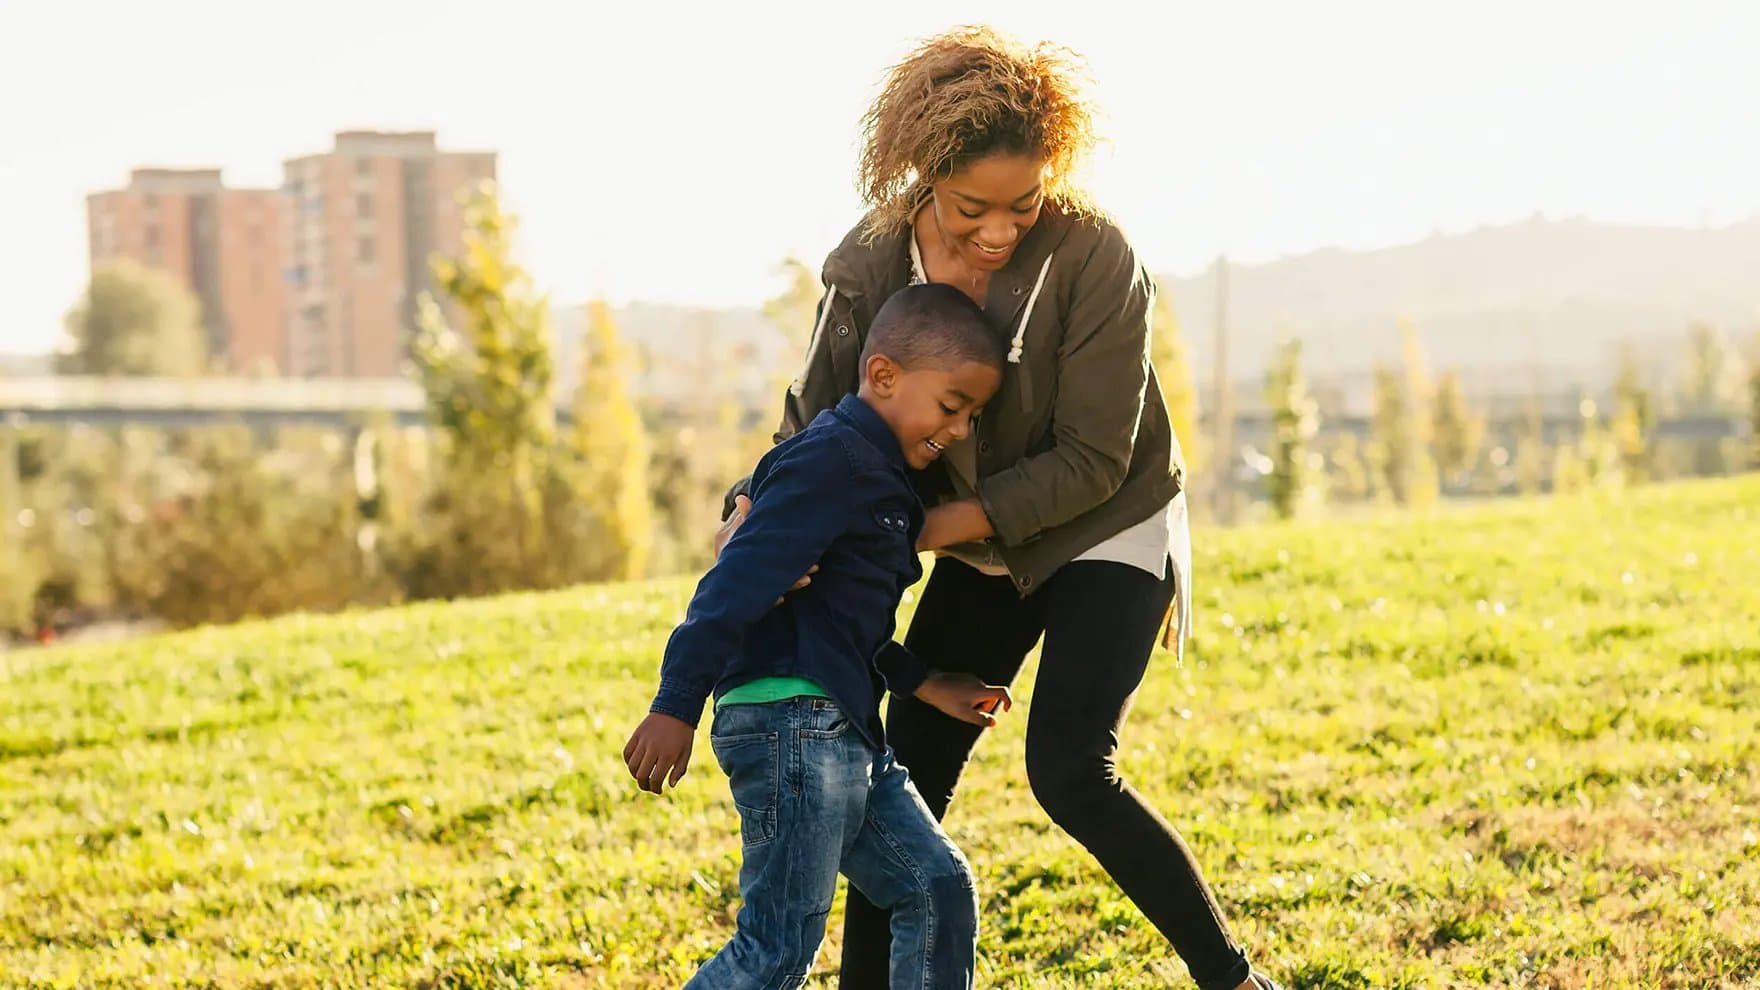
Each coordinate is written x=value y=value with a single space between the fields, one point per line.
x=815 y=799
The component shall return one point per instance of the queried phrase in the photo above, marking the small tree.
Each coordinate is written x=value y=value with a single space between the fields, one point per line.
x=1420 y=464
x=1569 y=473
x=1173 y=368
x=1350 y=476
x=134 y=321
x=1458 y=433
x=1295 y=482
x=1398 y=451
x=1531 y=450
x=20 y=584
x=1754 y=407
x=1596 y=448
x=1634 y=416
x=1711 y=387
x=489 y=386
x=794 y=309
x=1388 y=443
x=612 y=447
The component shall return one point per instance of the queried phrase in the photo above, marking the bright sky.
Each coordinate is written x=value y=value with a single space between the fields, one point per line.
x=671 y=151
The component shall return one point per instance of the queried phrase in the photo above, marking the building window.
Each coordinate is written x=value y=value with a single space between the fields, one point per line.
x=150 y=236
x=363 y=205
x=363 y=168
x=364 y=250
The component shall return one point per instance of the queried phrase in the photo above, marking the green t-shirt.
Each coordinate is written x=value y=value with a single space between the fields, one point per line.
x=771 y=689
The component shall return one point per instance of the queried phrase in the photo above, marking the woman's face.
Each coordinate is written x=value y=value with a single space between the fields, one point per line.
x=985 y=208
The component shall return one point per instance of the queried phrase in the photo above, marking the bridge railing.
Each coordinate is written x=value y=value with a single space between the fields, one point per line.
x=66 y=393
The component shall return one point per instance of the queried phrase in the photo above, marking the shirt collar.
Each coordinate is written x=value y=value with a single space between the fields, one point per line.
x=857 y=413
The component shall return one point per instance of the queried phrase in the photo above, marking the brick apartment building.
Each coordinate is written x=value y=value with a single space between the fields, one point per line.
x=318 y=278
x=224 y=245
x=363 y=220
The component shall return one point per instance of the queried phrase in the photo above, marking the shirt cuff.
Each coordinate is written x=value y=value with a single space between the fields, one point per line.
x=903 y=671
x=680 y=703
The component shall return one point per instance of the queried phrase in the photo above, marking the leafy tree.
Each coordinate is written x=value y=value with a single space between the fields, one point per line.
x=134 y=320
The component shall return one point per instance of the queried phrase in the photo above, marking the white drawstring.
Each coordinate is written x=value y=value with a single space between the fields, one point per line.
x=1020 y=330
x=800 y=381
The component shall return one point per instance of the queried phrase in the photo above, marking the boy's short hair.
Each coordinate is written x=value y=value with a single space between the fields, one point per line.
x=932 y=325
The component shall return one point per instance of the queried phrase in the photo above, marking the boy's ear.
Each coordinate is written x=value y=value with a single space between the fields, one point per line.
x=881 y=374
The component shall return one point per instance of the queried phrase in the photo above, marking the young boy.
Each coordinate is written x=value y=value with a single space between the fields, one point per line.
x=797 y=717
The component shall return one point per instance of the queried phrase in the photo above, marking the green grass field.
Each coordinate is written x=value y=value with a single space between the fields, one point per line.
x=1513 y=745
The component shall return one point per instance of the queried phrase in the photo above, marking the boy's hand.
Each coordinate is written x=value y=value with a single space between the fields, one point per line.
x=964 y=697
x=659 y=750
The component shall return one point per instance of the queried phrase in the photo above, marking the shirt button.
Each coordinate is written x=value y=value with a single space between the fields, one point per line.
x=843 y=331
x=1027 y=582
x=983 y=446
x=1017 y=290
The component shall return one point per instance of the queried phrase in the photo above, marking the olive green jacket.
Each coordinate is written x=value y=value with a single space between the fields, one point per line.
x=1077 y=445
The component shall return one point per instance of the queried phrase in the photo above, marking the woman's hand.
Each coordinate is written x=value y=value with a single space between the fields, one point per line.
x=962 y=521
x=742 y=507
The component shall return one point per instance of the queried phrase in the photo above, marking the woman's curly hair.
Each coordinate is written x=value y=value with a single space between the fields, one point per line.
x=965 y=94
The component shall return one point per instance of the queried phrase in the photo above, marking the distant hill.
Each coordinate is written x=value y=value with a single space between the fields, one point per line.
x=684 y=350
x=1538 y=304
x=1559 y=295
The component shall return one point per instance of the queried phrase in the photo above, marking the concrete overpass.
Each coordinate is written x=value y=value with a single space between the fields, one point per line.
x=255 y=402
x=344 y=402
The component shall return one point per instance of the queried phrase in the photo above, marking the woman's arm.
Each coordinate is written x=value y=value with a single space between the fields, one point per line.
x=962 y=521
x=1103 y=369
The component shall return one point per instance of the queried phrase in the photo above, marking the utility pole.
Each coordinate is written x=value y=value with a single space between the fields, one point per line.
x=1223 y=390
x=11 y=554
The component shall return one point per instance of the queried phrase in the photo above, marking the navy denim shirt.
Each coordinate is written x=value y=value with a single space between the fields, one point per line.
x=837 y=494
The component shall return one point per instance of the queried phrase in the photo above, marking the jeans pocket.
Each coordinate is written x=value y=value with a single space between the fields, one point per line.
x=752 y=764
x=826 y=721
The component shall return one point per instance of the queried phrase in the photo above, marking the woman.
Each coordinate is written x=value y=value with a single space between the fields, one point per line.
x=1060 y=515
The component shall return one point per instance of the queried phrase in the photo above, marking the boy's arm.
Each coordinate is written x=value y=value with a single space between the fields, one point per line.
x=961 y=696
x=806 y=503
x=903 y=670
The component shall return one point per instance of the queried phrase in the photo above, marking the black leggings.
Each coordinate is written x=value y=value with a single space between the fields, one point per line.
x=1100 y=621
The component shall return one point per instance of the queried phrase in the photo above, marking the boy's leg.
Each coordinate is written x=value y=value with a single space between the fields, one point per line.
x=903 y=862
x=968 y=622
x=801 y=801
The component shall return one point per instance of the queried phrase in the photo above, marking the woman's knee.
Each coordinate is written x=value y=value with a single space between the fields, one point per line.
x=1068 y=783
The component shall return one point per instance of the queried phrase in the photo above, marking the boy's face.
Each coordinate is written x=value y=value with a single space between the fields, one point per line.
x=928 y=408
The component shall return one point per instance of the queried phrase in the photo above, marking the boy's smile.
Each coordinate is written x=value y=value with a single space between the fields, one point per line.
x=930 y=409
